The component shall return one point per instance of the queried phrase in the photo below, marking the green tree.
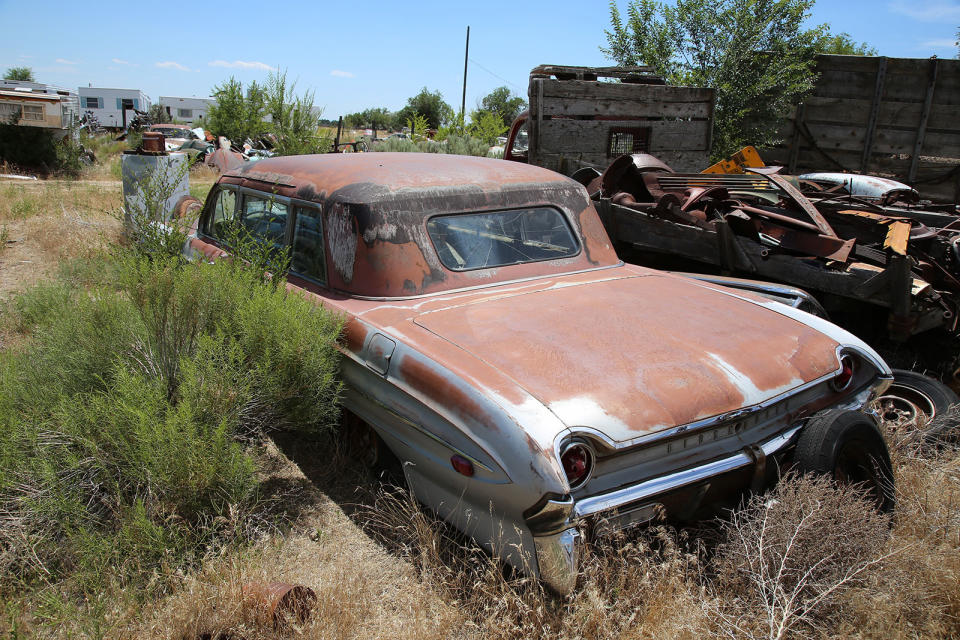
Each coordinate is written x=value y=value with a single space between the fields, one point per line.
x=418 y=125
x=842 y=44
x=502 y=102
x=19 y=73
x=235 y=115
x=430 y=105
x=378 y=118
x=293 y=119
x=486 y=125
x=158 y=115
x=755 y=54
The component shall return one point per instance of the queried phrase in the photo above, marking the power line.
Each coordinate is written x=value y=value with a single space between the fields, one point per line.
x=497 y=76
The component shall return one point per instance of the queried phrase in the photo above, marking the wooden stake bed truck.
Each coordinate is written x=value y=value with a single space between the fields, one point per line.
x=588 y=116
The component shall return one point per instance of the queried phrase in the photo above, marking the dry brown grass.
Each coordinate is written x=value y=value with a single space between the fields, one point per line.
x=50 y=221
x=805 y=561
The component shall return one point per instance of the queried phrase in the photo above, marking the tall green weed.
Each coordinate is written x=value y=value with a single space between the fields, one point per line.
x=127 y=415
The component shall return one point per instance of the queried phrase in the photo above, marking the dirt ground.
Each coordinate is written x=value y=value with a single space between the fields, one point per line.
x=48 y=221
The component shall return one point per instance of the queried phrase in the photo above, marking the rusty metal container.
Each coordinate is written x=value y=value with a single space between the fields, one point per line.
x=279 y=603
x=153 y=142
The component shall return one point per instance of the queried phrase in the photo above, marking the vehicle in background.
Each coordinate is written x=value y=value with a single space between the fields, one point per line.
x=175 y=135
x=587 y=116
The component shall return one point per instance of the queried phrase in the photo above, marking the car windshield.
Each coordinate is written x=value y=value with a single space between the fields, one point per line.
x=483 y=240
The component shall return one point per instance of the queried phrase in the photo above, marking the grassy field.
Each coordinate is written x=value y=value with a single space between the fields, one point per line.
x=119 y=518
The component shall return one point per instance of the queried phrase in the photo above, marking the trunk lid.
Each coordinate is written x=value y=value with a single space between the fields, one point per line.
x=638 y=354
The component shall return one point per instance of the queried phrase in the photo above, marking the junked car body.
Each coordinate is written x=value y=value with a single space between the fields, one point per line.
x=536 y=389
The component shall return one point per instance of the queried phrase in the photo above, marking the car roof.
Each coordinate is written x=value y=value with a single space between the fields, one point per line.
x=376 y=206
x=395 y=171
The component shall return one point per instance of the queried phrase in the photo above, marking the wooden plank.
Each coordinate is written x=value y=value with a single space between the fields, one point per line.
x=535 y=96
x=833 y=63
x=898 y=87
x=869 y=138
x=897 y=237
x=920 y=66
x=795 y=138
x=588 y=107
x=886 y=141
x=624 y=91
x=809 y=159
x=924 y=118
x=592 y=136
x=910 y=88
x=906 y=114
x=573 y=98
x=846 y=84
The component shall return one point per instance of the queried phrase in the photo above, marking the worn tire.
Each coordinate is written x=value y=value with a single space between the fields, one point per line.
x=848 y=447
x=365 y=446
x=916 y=406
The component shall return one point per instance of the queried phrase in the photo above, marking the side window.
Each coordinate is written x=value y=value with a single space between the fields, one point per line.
x=224 y=213
x=308 y=256
x=265 y=219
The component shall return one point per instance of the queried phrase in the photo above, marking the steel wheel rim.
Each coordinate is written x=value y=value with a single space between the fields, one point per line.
x=906 y=407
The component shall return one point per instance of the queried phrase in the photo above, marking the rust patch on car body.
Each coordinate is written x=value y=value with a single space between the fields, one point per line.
x=442 y=392
x=354 y=335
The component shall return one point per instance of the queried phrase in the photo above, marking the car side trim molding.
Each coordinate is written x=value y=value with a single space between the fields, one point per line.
x=410 y=423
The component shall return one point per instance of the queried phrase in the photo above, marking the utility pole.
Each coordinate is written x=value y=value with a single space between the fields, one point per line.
x=463 y=101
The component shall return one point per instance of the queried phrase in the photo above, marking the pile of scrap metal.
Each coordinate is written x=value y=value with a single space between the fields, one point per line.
x=761 y=223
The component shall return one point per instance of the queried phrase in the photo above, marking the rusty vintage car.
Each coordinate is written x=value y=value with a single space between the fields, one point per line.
x=537 y=390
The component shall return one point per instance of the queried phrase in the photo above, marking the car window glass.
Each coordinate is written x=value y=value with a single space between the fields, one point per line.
x=481 y=240
x=265 y=219
x=522 y=141
x=308 y=255
x=224 y=212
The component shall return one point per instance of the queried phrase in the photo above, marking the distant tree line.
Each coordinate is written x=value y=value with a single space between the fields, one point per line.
x=491 y=118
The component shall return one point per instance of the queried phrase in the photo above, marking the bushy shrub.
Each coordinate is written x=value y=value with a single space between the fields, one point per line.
x=126 y=414
x=453 y=144
x=37 y=149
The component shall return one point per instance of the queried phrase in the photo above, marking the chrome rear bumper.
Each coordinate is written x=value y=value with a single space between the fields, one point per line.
x=557 y=553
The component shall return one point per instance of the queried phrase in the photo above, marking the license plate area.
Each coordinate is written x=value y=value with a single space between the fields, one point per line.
x=625 y=518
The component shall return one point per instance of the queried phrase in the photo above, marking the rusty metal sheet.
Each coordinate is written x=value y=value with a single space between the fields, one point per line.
x=225 y=160
x=898 y=235
x=828 y=247
x=800 y=199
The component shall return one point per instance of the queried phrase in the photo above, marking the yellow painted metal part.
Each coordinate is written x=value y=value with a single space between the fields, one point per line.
x=897 y=236
x=746 y=157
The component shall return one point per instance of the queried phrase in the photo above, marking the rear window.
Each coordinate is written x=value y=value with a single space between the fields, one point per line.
x=495 y=239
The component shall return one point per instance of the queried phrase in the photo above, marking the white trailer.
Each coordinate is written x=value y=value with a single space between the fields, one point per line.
x=114 y=108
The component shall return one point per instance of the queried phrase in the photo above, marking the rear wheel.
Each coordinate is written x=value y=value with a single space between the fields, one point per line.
x=848 y=447
x=915 y=406
x=364 y=445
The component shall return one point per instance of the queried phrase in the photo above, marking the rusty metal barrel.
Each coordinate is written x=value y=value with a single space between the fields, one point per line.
x=279 y=603
x=153 y=142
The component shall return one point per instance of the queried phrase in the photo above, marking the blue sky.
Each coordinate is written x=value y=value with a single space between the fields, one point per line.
x=373 y=53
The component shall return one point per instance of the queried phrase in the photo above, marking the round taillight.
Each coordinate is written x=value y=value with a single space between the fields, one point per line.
x=577 y=461
x=845 y=375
